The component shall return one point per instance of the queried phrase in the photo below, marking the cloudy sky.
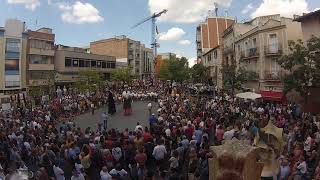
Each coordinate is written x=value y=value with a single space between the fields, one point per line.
x=77 y=22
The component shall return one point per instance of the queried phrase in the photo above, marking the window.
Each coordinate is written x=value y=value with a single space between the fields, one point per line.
x=67 y=62
x=37 y=59
x=12 y=45
x=75 y=63
x=104 y=64
x=81 y=63
x=113 y=65
x=93 y=63
x=209 y=57
x=12 y=55
x=99 y=64
x=87 y=63
x=254 y=42
x=215 y=54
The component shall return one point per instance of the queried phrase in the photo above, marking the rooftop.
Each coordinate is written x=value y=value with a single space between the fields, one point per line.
x=308 y=15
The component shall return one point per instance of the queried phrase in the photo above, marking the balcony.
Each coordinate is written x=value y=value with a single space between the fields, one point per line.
x=249 y=53
x=42 y=67
x=274 y=75
x=273 y=50
x=44 y=52
x=227 y=50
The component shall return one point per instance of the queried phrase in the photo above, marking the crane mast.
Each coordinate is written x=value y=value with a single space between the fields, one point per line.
x=154 y=43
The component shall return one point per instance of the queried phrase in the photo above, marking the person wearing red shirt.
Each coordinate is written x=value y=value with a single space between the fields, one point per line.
x=146 y=135
x=219 y=134
x=189 y=131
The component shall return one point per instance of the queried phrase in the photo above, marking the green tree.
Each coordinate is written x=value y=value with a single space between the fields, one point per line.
x=37 y=90
x=234 y=78
x=303 y=64
x=176 y=69
x=89 y=81
x=199 y=73
x=123 y=74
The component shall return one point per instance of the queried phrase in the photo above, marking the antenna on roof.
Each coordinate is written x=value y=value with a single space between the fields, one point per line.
x=216 y=8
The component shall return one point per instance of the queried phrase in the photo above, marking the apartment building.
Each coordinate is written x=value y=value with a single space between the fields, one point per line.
x=161 y=58
x=134 y=52
x=210 y=45
x=13 y=58
x=40 y=57
x=258 y=50
x=310 y=24
x=69 y=61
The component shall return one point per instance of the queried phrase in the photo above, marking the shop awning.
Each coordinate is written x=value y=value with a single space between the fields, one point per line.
x=272 y=95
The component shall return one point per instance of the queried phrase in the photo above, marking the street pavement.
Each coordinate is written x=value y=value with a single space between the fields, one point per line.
x=118 y=120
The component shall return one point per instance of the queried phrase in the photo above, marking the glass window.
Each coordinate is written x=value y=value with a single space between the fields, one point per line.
x=113 y=65
x=93 y=63
x=12 y=55
x=99 y=64
x=12 y=84
x=37 y=59
x=75 y=63
x=81 y=63
x=104 y=64
x=12 y=45
x=215 y=54
x=67 y=62
x=87 y=63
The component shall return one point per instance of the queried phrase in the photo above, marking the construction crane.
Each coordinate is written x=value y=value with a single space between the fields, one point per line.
x=154 y=43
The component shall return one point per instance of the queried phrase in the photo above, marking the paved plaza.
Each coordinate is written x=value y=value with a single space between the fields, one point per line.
x=118 y=120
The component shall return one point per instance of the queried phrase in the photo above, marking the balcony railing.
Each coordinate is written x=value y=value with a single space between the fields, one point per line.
x=273 y=49
x=249 y=53
x=274 y=75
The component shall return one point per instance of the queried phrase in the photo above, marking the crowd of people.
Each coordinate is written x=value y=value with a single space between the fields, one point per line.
x=43 y=141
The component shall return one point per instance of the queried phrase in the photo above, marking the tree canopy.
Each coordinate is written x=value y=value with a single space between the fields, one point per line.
x=234 y=78
x=303 y=64
x=89 y=81
x=122 y=74
x=199 y=73
x=175 y=69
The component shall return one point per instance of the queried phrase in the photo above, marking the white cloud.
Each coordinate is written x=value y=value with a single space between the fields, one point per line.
x=286 y=8
x=191 y=61
x=316 y=9
x=184 y=42
x=248 y=8
x=79 y=13
x=185 y=11
x=172 y=34
x=29 y=4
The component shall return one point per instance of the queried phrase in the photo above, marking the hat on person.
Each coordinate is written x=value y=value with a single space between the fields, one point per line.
x=153 y=114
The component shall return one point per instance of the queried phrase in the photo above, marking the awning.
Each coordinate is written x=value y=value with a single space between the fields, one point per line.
x=272 y=95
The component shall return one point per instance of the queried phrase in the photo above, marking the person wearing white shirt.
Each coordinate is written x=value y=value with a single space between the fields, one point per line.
x=77 y=176
x=301 y=167
x=159 y=151
x=58 y=173
x=150 y=108
x=228 y=135
x=104 y=174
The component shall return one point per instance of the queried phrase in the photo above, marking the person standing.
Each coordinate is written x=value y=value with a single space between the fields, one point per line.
x=150 y=108
x=111 y=104
x=92 y=108
x=104 y=118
